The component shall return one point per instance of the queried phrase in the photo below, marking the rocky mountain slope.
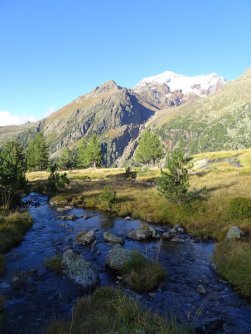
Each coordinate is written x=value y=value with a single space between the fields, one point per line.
x=204 y=112
x=214 y=123
x=116 y=114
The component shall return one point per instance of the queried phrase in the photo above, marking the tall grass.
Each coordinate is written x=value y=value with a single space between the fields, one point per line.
x=110 y=311
x=12 y=229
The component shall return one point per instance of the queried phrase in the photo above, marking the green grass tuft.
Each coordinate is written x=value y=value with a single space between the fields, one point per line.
x=233 y=262
x=143 y=275
x=110 y=311
x=12 y=229
x=54 y=263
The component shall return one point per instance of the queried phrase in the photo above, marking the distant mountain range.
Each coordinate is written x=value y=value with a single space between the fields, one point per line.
x=205 y=112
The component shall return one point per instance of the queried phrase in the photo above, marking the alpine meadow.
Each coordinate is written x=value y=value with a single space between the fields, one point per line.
x=126 y=209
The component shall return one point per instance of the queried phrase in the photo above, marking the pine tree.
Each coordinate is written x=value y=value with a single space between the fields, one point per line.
x=174 y=183
x=150 y=149
x=67 y=159
x=12 y=171
x=82 y=160
x=93 y=151
x=37 y=153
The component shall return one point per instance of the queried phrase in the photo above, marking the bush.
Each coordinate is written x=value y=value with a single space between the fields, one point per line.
x=240 y=207
x=129 y=174
x=143 y=275
x=108 y=196
x=56 y=181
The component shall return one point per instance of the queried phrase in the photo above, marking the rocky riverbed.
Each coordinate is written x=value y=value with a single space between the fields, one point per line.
x=193 y=291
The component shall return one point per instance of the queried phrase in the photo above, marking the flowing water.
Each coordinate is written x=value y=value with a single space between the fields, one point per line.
x=47 y=296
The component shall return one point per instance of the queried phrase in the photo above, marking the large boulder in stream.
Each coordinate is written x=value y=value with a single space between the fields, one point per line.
x=234 y=233
x=112 y=238
x=79 y=270
x=86 y=238
x=117 y=257
x=142 y=233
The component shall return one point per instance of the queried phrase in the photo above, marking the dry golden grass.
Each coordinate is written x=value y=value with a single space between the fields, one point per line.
x=140 y=198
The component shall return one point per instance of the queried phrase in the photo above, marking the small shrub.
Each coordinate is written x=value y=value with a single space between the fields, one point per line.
x=108 y=196
x=54 y=263
x=240 y=207
x=56 y=181
x=143 y=275
x=129 y=174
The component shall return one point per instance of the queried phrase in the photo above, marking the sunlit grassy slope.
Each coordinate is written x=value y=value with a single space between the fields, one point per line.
x=226 y=175
x=221 y=121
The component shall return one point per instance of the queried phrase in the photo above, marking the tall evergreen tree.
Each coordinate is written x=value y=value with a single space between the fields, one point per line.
x=93 y=151
x=82 y=160
x=67 y=159
x=150 y=149
x=12 y=171
x=174 y=183
x=37 y=153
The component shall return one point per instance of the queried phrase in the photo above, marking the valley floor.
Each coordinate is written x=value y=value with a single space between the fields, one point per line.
x=226 y=176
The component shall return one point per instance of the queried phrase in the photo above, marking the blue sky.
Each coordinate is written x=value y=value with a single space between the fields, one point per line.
x=52 y=51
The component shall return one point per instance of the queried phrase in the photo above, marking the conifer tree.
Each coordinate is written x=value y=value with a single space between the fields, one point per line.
x=12 y=171
x=67 y=159
x=93 y=151
x=37 y=153
x=150 y=149
x=174 y=183
x=82 y=160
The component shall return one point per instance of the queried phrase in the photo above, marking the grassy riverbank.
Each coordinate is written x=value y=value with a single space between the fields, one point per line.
x=227 y=177
x=210 y=217
x=121 y=315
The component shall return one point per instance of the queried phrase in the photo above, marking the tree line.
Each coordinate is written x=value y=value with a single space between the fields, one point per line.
x=15 y=161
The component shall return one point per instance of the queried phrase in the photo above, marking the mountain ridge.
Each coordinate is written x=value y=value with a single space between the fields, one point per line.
x=119 y=115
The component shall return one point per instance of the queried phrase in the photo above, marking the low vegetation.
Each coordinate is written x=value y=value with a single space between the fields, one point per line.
x=54 y=263
x=233 y=262
x=12 y=229
x=122 y=315
x=143 y=275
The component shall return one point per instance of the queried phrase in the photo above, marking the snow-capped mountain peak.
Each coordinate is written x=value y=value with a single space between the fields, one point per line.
x=201 y=85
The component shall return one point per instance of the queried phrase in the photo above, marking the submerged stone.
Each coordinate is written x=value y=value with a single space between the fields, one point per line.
x=86 y=238
x=112 y=238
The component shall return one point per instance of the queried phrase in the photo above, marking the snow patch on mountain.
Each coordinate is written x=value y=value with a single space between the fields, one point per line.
x=201 y=85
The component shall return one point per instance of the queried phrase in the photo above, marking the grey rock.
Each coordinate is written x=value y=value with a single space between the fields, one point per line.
x=201 y=289
x=142 y=233
x=79 y=270
x=112 y=238
x=70 y=217
x=117 y=257
x=234 y=233
x=177 y=239
x=86 y=238
x=167 y=236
